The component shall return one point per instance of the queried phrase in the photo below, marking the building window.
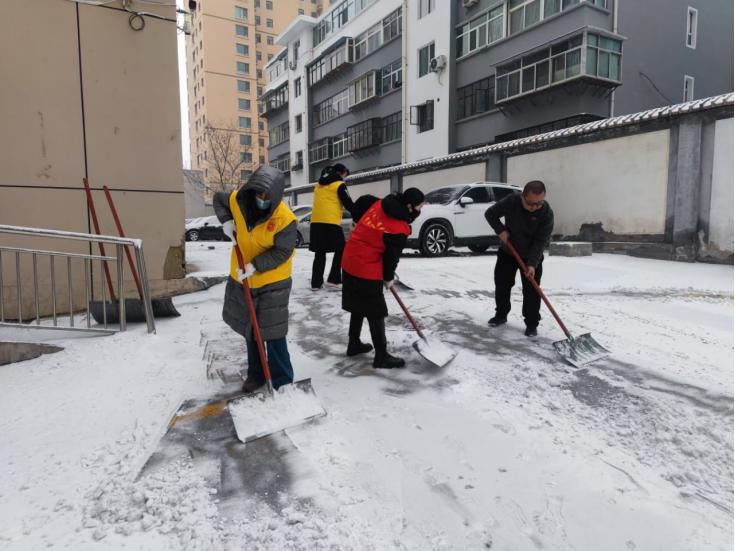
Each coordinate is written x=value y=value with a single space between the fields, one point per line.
x=257 y=20
x=365 y=134
x=391 y=77
x=274 y=99
x=269 y=40
x=261 y=160
x=241 y=30
x=270 y=56
x=243 y=68
x=257 y=3
x=320 y=150
x=243 y=86
x=246 y=157
x=339 y=146
x=476 y=98
x=243 y=104
x=555 y=6
x=279 y=134
x=377 y=35
x=363 y=89
x=338 y=18
x=244 y=122
x=481 y=31
x=691 y=40
x=245 y=174
x=392 y=127
x=523 y=14
x=426 y=7
x=297 y=87
x=298 y=123
x=282 y=163
x=258 y=38
x=241 y=13
x=688 y=88
x=332 y=107
x=269 y=5
x=423 y=116
x=246 y=139
x=258 y=56
x=242 y=49
x=259 y=73
x=330 y=62
x=603 y=57
x=426 y=54
x=269 y=23
x=301 y=11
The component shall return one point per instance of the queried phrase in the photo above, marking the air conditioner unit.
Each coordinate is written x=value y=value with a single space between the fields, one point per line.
x=292 y=65
x=469 y=3
x=437 y=64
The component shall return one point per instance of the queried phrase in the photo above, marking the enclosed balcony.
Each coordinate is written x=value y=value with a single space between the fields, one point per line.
x=273 y=101
x=331 y=62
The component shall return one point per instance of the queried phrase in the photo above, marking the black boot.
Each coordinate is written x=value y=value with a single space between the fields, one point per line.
x=252 y=384
x=531 y=331
x=382 y=360
x=386 y=361
x=496 y=320
x=356 y=346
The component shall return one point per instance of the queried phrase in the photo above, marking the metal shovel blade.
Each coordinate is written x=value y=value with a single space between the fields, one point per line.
x=260 y=414
x=581 y=350
x=434 y=351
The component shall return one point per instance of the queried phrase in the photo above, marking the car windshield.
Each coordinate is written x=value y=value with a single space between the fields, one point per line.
x=445 y=195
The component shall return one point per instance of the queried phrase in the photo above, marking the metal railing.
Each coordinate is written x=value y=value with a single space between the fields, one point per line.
x=88 y=259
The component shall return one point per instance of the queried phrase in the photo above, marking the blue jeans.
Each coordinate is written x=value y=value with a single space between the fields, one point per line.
x=279 y=362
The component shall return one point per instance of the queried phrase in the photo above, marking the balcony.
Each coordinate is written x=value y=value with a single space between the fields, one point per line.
x=331 y=62
x=363 y=89
x=273 y=101
x=590 y=58
x=282 y=163
x=365 y=135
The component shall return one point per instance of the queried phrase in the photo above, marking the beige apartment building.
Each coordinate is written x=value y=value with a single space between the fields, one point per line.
x=231 y=41
x=88 y=91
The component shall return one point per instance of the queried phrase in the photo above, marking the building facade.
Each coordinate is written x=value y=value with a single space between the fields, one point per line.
x=230 y=43
x=404 y=81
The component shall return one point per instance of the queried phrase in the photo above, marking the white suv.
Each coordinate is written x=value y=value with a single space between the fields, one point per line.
x=455 y=216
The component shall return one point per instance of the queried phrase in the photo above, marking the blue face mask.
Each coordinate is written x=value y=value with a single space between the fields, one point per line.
x=262 y=204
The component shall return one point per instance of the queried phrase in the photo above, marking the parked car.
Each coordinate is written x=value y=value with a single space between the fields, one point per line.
x=455 y=216
x=301 y=210
x=207 y=228
x=303 y=229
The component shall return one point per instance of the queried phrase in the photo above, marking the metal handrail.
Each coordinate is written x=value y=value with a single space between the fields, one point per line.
x=119 y=242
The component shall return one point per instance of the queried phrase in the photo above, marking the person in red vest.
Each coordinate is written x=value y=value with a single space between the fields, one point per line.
x=369 y=265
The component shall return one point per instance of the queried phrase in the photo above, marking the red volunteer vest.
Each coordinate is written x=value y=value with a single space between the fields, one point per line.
x=363 y=254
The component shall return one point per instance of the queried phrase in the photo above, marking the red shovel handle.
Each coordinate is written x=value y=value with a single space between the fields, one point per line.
x=408 y=314
x=254 y=321
x=121 y=233
x=95 y=222
x=535 y=285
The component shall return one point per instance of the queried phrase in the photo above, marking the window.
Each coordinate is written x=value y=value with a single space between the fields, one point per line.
x=688 y=88
x=391 y=77
x=246 y=157
x=297 y=87
x=392 y=127
x=282 y=163
x=258 y=38
x=330 y=62
x=259 y=73
x=243 y=68
x=476 y=98
x=481 y=31
x=274 y=99
x=241 y=30
x=270 y=56
x=365 y=134
x=339 y=146
x=603 y=56
x=241 y=49
x=243 y=86
x=332 y=107
x=245 y=174
x=243 y=104
x=244 y=122
x=523 y=14
x=246 y=139
x=261 y=160
x=261 y=142
x=426 y=54
x=269 y=23
x=301 y=11
x=423 y=116
x=691 y=39
x=320 y=150
x=555 y=6
x=279 y=134
x=377 y=35
x=363 y=89
x=241 y=13
x=426 y=7
x=258 y=56
x=269 y=40
x=257 y=20
x=269 y=5
x=298 y=123
x=337 y=18
x=299 y=161
x=478 y=194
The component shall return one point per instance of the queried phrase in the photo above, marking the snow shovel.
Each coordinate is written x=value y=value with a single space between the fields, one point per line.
x=431 y=349
x=262 y=413
x=578 y=351
x=402 y=284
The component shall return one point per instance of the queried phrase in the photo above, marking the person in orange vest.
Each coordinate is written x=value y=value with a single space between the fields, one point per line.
x=325 y=232
x=262 y=226
x=369 y=265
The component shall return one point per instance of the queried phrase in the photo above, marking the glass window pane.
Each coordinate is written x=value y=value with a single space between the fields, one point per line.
x=542 y=74
x=558 y=68
x=501 y=84
x=592 y=39
x=516 y=21
x=513 y=84
x=591 y=61
x=552 y=6
x=603 y=66
x=496 y=29
x=529 y=79
x=574 y=58
x=615 y=66
x=533 y=12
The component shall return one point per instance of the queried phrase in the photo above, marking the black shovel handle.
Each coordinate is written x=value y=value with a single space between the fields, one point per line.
x=535 y=285
x=408 y=314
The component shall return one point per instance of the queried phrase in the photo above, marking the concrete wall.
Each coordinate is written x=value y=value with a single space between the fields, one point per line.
x=620 y=183
x=721 y=202
x=446 y=177
x=127 y=135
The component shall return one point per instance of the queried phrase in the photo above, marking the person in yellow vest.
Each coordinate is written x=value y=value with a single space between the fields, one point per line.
x=325 y=232
x=264 y=228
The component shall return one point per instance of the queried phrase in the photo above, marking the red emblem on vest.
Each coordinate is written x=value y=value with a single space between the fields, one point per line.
x=271 y=225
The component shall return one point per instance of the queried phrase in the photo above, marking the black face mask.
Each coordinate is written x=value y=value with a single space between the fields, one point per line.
x=413 y=215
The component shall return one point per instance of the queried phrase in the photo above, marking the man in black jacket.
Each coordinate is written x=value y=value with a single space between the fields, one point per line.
x=529 y=222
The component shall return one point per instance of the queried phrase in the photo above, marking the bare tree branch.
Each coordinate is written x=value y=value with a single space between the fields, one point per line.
x=225 y=160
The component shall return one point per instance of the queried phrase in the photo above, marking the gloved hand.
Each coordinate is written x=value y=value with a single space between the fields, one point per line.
x=229 y=230
x=249 y=270
x=388 y=284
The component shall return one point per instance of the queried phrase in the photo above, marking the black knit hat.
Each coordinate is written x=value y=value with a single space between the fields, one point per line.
x=411 y=196
x=340 y=168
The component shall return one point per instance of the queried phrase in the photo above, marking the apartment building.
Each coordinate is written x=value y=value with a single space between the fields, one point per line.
x=404 y=81
x=231 y=42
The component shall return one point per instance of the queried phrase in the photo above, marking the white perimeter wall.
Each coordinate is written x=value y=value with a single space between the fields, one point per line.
x=620 y=182
x=721 y=205
x=428 y=181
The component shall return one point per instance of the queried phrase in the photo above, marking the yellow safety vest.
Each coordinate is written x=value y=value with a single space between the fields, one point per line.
x=327 y=206
x=260 y=239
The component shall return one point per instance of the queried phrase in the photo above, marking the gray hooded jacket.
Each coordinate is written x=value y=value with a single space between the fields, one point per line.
x=271 y=301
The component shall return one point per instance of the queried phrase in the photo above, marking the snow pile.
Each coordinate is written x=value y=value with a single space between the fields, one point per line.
x=259 y=415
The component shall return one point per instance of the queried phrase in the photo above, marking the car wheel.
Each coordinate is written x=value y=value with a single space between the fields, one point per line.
x=478 y=248
x=299 y=239
x=192 y=235
x=435 y=240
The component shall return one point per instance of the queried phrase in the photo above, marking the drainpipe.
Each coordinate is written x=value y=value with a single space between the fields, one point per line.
x=615 y=30
x=404 y=88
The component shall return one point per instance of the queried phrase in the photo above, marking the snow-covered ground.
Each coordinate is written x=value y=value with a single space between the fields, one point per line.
x=506 y=448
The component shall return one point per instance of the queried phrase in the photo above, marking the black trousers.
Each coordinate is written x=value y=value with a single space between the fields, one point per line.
x=320 y=262
x=505 y=277
x=377 y=332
